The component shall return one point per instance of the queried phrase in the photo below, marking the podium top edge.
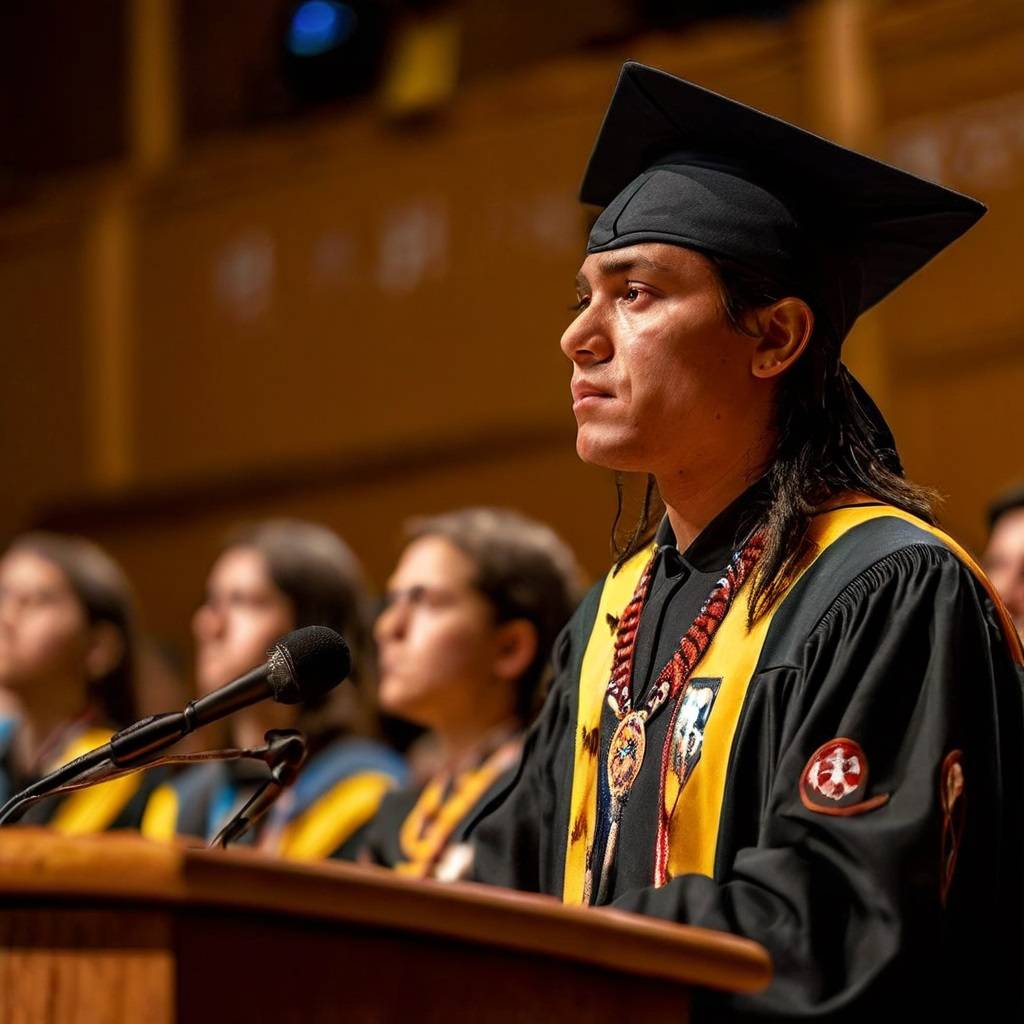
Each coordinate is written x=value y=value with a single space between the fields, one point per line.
x=37 y=865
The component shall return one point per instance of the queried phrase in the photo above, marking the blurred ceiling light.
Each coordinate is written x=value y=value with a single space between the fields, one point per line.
x=318 y=26
x=333 y=49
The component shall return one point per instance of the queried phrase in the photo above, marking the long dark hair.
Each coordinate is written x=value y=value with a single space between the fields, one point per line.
x=105 y=595
x=830 y=439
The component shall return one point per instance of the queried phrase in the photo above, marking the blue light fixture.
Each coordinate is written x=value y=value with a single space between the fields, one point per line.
x=319 y=26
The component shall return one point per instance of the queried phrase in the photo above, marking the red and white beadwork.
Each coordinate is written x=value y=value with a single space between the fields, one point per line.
x=626 y=754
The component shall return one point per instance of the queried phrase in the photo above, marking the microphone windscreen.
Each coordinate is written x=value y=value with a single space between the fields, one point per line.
x=317 y=659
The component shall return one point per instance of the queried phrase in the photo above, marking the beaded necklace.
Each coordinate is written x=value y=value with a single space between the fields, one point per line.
x=629 y=741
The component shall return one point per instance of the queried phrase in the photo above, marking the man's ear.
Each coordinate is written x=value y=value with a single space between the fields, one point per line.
x=783 y=330
x=515 y=648
x=106 y=649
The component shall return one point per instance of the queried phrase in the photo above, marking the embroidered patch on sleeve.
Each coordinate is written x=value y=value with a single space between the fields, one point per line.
x=835 y=780
x=953 y=798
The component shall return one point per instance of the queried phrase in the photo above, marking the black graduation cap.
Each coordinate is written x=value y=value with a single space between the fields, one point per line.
x=677 y=163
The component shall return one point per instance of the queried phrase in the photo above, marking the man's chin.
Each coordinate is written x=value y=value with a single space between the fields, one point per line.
x=607 y=454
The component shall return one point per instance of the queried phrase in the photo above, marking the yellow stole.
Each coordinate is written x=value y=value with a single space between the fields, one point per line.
x=95 y=809
x=334 y=818
x=695 y=809
x=427 y=829
x=315 y=834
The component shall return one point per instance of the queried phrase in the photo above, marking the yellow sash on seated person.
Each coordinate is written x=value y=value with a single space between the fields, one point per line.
x=95 y=809
x=335 y=817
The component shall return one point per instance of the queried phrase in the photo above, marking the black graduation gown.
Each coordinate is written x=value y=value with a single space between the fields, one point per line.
x=890 y=638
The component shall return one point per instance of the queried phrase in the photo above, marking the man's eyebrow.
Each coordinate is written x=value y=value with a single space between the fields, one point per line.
x=614 y=265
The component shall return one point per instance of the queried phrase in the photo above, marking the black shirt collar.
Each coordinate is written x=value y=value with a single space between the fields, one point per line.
x=711 y=550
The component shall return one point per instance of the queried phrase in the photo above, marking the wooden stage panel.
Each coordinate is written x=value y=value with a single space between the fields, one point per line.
x=318 y=972
x=80 y=965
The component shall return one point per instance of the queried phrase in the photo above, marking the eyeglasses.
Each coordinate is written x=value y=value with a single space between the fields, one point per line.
x=30 y=600
x=423 y=596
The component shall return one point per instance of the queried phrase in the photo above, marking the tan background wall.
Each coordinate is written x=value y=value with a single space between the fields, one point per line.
x=354 y=321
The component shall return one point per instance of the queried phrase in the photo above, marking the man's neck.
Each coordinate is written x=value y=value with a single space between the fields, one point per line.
x=691 y=502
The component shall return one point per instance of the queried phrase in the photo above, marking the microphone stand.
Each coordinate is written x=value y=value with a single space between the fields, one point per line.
x=284 y=753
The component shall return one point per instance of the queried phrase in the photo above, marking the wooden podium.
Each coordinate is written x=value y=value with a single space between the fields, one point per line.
x=118 y=930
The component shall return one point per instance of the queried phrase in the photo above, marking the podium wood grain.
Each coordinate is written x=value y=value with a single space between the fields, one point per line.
x=115 y=929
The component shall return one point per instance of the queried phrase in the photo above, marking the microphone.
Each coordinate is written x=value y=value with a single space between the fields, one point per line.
x=302 y=666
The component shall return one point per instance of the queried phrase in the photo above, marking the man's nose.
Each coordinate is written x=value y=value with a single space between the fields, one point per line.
x=586 y=340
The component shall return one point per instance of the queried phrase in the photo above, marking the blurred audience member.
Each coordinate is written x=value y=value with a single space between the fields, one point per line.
x=270 y=579
x=1004 y=554
x=67 y=644
x=471 y=614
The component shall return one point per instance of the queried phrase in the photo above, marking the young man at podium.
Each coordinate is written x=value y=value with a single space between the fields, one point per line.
x=792 y=710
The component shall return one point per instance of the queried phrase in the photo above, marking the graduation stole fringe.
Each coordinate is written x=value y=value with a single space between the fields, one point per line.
x=691 y=808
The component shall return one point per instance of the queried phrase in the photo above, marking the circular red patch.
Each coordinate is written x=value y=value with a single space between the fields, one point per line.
x=836 y=776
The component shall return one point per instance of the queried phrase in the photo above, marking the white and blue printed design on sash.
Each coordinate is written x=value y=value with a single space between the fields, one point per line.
x=690 y=722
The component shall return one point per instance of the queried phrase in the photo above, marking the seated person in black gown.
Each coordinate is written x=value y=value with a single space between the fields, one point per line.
x=67 y=644
x=471 y=612
x=271 y=578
